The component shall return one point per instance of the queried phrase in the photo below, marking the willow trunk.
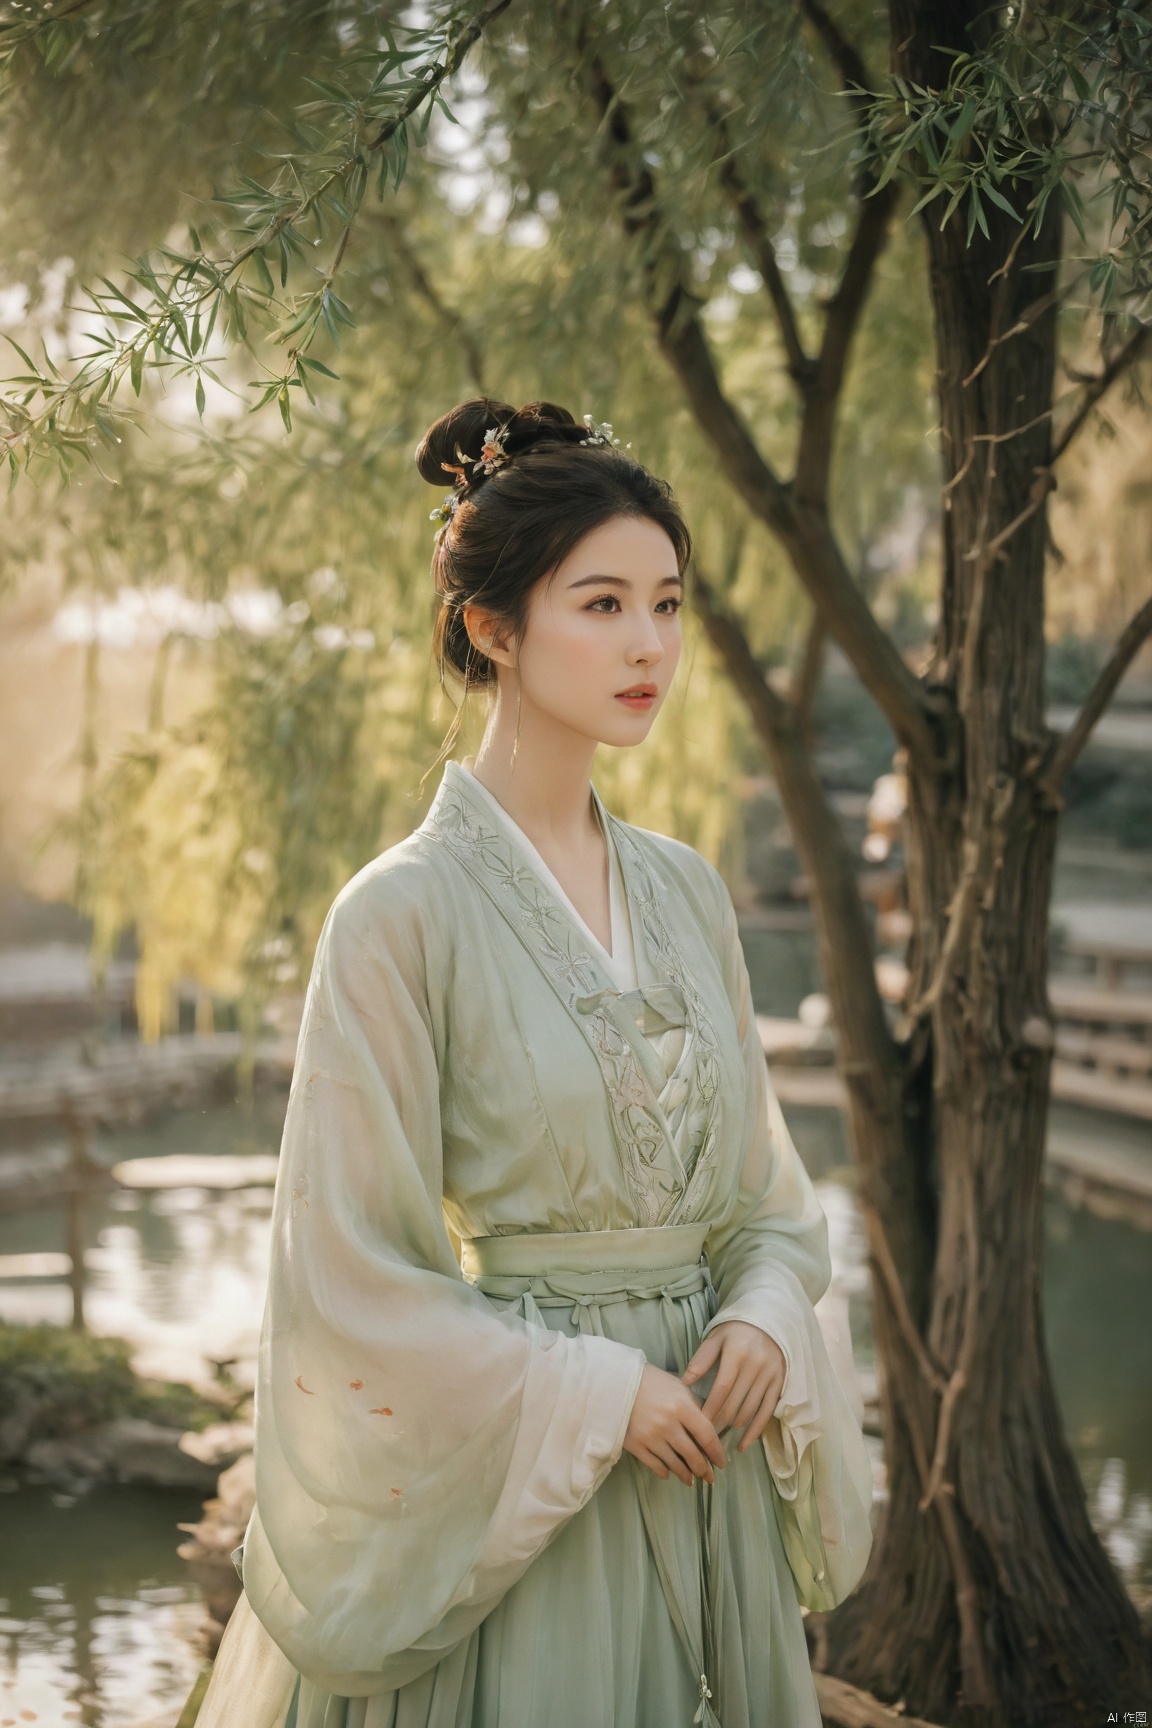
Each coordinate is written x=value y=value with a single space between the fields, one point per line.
x=989 y=1600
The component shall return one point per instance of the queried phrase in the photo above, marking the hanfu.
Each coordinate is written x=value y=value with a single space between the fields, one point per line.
x=448 y=1533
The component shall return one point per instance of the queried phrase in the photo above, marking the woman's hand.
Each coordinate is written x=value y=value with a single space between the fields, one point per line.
x=669 y=1432
x=749 y=1379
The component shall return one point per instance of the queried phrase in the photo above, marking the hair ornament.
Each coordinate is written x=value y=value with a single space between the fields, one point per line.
x=600 y=432
x=493 y=455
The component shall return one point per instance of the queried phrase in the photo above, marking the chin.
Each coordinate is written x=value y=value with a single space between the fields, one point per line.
x=624 y=730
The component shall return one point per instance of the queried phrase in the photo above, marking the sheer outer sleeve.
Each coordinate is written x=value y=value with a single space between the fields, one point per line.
x=770 y=1263
x=415 y=1448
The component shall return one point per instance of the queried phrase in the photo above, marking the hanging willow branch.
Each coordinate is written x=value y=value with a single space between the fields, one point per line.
x=172 y=303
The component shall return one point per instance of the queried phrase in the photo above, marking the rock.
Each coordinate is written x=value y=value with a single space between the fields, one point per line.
x=69 y=1455
x=145 y=1452
x=209 y=1552
x=127 y=1450
x=220 y=1444
x=18 y=1423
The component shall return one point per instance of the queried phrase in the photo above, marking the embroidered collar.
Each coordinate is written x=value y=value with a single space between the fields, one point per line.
x=665 y=1189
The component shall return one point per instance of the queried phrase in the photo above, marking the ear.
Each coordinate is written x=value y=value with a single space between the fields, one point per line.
x=490 y=633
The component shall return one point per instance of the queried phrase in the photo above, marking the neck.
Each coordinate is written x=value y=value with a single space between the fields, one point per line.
x=545 y=782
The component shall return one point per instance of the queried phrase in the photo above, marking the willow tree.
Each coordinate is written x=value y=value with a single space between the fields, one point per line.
x=669 y=151
x=988 y=1598
x=219 y=836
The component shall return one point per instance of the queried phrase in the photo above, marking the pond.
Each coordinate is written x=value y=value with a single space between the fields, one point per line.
x=97 y=1616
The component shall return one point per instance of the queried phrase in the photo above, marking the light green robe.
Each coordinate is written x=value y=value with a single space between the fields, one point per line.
x=447 y=1531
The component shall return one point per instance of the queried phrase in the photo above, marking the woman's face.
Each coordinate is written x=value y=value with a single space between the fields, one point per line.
x=601 y=640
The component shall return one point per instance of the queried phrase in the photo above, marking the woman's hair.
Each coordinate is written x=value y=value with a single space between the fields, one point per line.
x=515 y=524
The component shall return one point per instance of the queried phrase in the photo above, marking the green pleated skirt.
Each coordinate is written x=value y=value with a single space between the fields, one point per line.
x=656 y=1606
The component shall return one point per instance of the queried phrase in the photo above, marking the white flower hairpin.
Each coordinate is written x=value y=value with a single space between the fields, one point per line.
x=493 y=455
x=600 y=432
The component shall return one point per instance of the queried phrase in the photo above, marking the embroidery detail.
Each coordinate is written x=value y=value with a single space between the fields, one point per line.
x=662 y=1187
x=704 y=1145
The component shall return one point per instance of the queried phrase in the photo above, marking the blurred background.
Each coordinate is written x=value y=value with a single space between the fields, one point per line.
x=217 y=702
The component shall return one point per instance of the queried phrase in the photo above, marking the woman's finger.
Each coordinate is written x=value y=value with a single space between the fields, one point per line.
x=760 y=1420
x=668 y=1455
x=647 y=1457
x=717 y=1405
x=707 y=1353
x=751 y=1385
x=756 y=1394
x=705 y=1436
x=756 y=1428
x=696 y=1460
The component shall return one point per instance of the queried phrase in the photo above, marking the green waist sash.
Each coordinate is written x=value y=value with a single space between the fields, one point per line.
x=660 y=1248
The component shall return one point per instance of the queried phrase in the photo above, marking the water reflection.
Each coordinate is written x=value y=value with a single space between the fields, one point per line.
x=97 y=1615
x=1097 y=1295
x=1097 y=1298
x=181 y=1273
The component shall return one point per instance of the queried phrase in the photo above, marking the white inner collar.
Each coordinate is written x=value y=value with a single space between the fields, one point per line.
x=620 y=964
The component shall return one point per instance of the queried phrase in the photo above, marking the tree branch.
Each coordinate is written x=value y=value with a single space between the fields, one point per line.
x=456 y=325
x=885 y=1264
x=817 y=430
x=843 y=54
x=456 y=52
x=814 y=455
x=846 y=1706
x=1118 y=364
x=980 y=856
x=180 y=291
x=770 y=711
x=818 y=379
x=806 y=535
x=865 y=1043
x=1043 y=477
x=753 y=226
x=805 y=531
x=810 y=671
x=1135 y=633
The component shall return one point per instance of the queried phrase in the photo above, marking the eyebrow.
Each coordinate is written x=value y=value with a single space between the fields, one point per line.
x=623 y=582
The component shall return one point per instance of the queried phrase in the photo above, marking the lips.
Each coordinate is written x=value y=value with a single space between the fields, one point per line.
x=636 y=692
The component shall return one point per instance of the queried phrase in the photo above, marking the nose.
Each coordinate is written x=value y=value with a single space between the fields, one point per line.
x=646 y=648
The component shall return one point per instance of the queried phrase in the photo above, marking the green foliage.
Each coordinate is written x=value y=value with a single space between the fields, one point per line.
x=173 y=301
x=114 y=109
x=1056 y=105
x=1049 y=105
x=70 y=1380
x=221 y=839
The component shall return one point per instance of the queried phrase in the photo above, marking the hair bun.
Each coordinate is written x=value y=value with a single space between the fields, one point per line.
x=461 y=432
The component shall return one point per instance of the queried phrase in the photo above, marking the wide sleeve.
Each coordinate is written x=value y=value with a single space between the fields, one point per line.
x=770 y=1264
x=415 y=1447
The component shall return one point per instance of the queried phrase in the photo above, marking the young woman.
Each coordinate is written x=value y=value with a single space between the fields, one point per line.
x=583 y=1472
